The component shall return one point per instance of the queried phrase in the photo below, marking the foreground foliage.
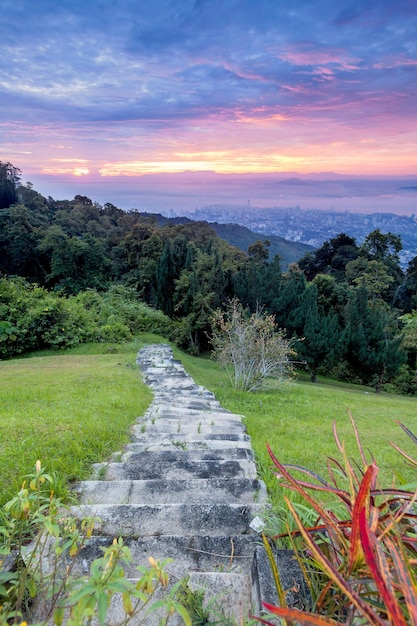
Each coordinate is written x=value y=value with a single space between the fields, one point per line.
x=365 y=558
x=39 y=548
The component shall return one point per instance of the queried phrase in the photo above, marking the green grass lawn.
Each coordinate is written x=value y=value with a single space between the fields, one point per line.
x=297 y=421
x=69 y=410
x=75 y=408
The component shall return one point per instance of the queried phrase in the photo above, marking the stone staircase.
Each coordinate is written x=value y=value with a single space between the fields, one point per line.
x=185 y=488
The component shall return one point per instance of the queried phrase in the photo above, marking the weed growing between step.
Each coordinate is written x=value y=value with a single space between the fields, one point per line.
x=39 y=546
x=203 y=613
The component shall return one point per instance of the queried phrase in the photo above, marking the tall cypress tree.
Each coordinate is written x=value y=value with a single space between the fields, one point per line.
x=374 y=344
x=165 y=275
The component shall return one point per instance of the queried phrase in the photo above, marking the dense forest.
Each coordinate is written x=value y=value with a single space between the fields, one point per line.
x=73 y=270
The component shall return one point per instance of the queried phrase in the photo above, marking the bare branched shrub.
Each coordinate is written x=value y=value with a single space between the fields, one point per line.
x=250 y=348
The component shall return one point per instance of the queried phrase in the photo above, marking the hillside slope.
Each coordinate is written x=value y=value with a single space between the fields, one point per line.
x=242 y=238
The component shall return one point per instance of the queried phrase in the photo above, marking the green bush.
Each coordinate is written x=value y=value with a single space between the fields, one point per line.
x=114 y=332
x=34 y=318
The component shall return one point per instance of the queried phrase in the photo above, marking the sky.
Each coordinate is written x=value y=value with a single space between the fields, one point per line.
x=168 y=103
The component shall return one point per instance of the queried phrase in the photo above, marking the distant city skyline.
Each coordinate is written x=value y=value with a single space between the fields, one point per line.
x=191 y=102
x=183 y=193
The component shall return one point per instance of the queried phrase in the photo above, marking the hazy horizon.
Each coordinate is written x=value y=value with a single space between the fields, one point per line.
x=183 y=193
x=99 y=97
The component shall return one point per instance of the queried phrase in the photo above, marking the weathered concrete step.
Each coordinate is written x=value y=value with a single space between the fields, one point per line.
x=170 y=411
x=176 y=469
x=161 y=491
x=239 y=439
x=291 y=576
x=219 y=553
x=141 y=520
x=179 y=454
x=169 y=402
x=187 y=443
x=164 y=394
x=227 y=595
x=180 y=388
x=162 y=428
x=226 y=601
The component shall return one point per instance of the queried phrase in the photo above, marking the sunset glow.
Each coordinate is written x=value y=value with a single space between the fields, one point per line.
x=98 y=91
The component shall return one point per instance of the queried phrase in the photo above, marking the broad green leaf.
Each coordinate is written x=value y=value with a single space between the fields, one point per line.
x=127 y=603
x=183 y=612
x=59 y=616
x=31 y=587
x=103 y=602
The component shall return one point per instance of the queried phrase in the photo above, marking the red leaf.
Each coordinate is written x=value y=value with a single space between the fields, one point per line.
x=404 y=454
x=372 y=617
x=358 y=441
x=407 y=431
x=380 y=572
x=299 y=616
x=356 y=555
x=408 y=585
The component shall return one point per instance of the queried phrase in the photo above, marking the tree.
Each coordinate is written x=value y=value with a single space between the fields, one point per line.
x=287 y=304
x=323 y=340
x=384 y=248
x=372 y=275
x=259 y=250
x=20 y=230
x=374 y=344
x=331 y=258
x=9 y=179
x=76 y=263
x=250 y=348
x=406 y=294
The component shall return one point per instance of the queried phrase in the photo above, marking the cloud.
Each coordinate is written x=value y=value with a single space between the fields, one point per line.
x=220 y=84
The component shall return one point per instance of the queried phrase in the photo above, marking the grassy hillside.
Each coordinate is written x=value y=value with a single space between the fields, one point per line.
x=73 y=409
x=297 y=421
x=68 y=410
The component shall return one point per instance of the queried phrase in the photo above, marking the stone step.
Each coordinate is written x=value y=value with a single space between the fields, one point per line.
x=168 y=411
x=161 y=428
x=180 y=469
x=192 y=553
x=177 y=454
x=174 y=491
x=237 y=440
x=181 y=413
x=141 y=520
x=226 y=601
x=188 y=442
x=291 y=576
x=227 y=595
